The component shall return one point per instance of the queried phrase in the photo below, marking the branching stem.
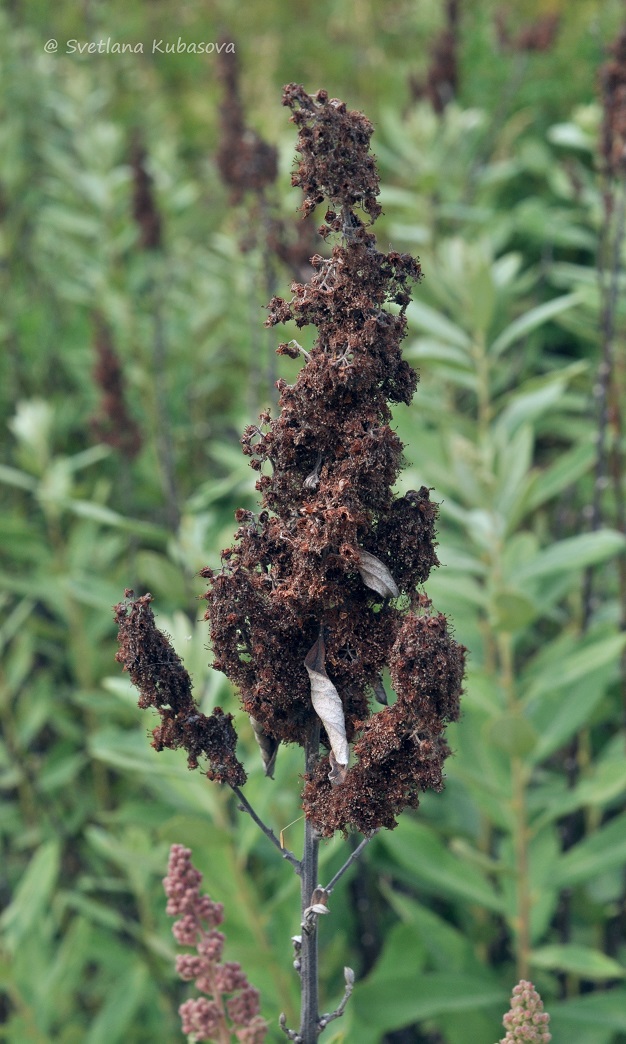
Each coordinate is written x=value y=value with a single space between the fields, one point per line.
x=245 y=806
x=352 y=858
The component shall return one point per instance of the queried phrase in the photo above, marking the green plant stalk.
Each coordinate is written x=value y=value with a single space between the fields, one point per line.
x=521 y=832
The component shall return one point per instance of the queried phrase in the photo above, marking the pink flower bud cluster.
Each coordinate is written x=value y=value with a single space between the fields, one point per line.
x=221 y=1017
x=526 y=1022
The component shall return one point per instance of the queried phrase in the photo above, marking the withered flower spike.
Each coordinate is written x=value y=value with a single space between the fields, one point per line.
x=295 y=612
x=245 y=162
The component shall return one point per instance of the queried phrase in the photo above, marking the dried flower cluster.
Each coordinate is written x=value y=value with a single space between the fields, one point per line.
x=318 y=594
x=539 y=35
x=526 y=1022
x=145 y=210
x=244 y=160
x=442 y=78
x=613 y=91
x=233 y=1007
x=158 y=672
x=113 y=424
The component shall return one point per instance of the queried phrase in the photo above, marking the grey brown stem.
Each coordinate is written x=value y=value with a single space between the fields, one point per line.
x=309 y=1028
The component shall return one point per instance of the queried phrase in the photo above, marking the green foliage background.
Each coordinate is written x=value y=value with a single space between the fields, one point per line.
x=520 y=863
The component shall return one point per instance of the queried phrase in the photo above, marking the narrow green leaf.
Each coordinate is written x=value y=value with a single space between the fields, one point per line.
x=579 y=960
x=563 y=672
x=15 y=477
x=565 y=471
x=428 y=349
x=596 y=853
x=125 y=997
x=513 y=734
x=416 y=846
x=526 y=407
x=32 y=895
x=600 y=1009
x=107 y=517
x=511 y=611
x=436 y=324
x=448 y=949
x=402 y=999
x=575 y=553
x=531 y=320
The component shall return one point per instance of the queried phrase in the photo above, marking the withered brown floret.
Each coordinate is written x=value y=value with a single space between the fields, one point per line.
x=245 y=162
x=613 y=90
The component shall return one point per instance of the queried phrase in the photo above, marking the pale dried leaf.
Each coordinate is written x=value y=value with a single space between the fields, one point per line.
x=267 y=745
x=337 y=772
x=329 y=708
x=375 y=574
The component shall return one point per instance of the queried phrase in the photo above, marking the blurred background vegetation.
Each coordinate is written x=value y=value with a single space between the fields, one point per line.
x=133 y=354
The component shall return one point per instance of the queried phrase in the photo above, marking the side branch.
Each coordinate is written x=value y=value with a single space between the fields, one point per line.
x=245 y=806
x=352 y=858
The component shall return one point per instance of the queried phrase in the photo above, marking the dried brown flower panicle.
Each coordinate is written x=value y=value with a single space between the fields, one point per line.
x=158 y=672
x=145 y=211
x=319 y=595
x=442 y=79
x=537 y=36
x=613 y=91
x=113 y=423
x=244 y=160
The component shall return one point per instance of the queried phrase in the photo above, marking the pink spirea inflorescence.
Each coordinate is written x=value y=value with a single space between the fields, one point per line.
x=231 y=1007
x=526 y=1022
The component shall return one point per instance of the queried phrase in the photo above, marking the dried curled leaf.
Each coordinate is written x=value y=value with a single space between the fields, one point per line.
x=267 y=745
x=329 y=708
x=380 y=692
x=375 y=574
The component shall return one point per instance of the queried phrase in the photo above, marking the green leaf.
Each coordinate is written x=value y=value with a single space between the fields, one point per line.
x=447 y=948
x=526 y=407
x=558 y=714
x=417 y=846
x=15 y=477
x=402 y=999
x=575 y=553
x=436 y=324
x=125 y=997
x=573 y=667
x=512 y=611
x=596 y=853
x=512 y=733
x=107 y=517
x=565 y=471
x=430 y=350
x=600 y=1009
x=578 y=960
x=531 y=320
x=32 y=895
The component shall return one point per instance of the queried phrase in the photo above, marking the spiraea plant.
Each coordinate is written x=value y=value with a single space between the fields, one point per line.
x=321 y=593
